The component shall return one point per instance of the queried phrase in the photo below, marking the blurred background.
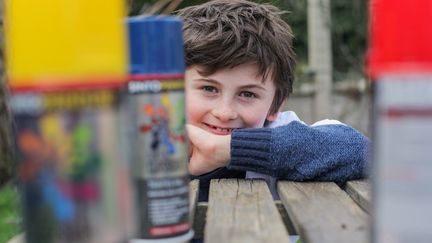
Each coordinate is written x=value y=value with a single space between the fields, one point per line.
x=330 y=42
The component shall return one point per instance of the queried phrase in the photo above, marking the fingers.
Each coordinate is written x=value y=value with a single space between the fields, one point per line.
x=195 y=134
x=195 y=167
x=193 y=138
x=198 y=161
x=207 y=151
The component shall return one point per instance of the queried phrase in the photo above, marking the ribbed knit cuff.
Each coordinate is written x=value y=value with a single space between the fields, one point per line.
x=250 y=149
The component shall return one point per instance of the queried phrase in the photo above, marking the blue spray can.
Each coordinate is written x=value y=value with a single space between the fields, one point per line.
x=159 y=148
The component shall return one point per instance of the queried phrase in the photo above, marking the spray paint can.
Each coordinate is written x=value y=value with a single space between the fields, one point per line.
x=156 y=97
x=64 y=74
x=400 y=64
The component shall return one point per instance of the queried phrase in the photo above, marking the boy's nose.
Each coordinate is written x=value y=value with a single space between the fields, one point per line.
x=224 y=112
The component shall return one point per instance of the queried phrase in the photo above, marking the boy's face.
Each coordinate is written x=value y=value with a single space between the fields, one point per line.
x=228 y=99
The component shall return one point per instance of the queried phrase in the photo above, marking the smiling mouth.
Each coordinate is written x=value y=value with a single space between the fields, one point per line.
x=219 y=130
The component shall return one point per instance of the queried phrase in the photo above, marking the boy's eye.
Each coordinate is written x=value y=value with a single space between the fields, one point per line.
x=247 y=94
x=209 y=89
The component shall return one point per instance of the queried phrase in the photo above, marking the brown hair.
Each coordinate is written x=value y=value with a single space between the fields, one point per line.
x=226 y=33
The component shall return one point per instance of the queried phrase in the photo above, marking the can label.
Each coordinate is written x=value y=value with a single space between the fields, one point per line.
x=165 y=206
x=160 y=161
x=73 y=186
x=403 y=159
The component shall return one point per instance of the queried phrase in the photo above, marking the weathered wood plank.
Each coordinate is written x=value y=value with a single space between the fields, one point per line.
x=242 y=211
x=199 y=221
x=322 y=212
x=193 y=198
x=360 y=192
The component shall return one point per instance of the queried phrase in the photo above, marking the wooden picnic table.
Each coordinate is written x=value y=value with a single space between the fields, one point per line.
x=242 y=210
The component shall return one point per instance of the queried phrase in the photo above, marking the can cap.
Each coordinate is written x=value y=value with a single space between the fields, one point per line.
x=65 y=44
x=156 y=45
x=400 y=37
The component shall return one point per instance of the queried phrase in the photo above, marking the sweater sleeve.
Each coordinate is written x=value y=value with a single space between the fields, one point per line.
x=300 y=152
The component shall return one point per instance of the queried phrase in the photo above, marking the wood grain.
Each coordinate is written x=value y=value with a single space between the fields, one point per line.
x=193 y=198
x=242 y=211
x=360 y=192
x=322 y=212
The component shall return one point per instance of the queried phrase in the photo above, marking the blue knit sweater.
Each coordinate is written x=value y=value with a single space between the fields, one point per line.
x=295 y=151
x=300 y=152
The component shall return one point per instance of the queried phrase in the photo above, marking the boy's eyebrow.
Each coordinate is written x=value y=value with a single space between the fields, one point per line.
x=252 y=86
x=206 y=80
x=248 y=86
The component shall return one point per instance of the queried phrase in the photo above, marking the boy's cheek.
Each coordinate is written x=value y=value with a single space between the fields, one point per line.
x=192 y=113
x=190 y=106
x=256 y=122
x=189 y=116
x=196 y=107
x=255 y=118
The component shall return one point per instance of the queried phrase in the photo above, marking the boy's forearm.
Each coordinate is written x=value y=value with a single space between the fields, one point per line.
x=300 y=152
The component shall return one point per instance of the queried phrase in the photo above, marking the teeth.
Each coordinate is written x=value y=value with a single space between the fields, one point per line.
x=225 y=129
x=228 y=130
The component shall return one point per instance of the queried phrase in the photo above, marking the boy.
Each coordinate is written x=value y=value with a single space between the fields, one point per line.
x=239 y=72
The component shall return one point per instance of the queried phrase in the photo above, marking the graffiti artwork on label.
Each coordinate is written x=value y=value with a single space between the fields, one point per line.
x=164 y=131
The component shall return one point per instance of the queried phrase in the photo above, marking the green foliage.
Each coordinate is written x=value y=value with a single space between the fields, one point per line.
x=297 y=19
x=348 y=30
x=348 y=37
x=9 y=213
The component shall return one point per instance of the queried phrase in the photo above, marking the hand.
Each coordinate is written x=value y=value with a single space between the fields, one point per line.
x=208 y=151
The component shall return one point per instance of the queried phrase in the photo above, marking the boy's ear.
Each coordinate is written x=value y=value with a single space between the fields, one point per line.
x=272 y=117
